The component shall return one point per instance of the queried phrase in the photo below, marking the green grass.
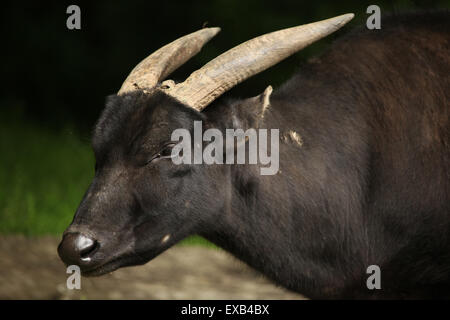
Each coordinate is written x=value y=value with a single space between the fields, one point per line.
x=43 y=176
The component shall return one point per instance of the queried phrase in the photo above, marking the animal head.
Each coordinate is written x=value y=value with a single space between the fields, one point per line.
x=140 y=202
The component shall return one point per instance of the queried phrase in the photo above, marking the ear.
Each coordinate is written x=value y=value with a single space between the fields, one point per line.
x=263 y=102
x=250 y=112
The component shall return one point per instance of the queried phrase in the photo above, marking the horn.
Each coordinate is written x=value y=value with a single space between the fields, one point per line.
x=165 y=60
x=247 y=59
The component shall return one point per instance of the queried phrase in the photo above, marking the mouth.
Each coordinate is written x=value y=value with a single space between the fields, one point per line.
x=101 y=270
x=112 y=265
x=100 y=260
x=120 y=262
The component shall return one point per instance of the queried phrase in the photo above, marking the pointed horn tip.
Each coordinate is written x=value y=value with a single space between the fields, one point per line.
x=213 y=31
x=346 y=17
x=339 y=21
x=208 y=33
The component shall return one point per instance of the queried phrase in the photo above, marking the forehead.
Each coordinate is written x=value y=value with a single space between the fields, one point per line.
x=138 y=123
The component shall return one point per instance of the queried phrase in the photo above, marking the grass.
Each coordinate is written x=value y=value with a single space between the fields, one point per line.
x=44 y=174
x=43 y=177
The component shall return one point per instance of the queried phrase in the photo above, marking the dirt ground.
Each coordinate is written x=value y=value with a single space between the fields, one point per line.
x=31 y=269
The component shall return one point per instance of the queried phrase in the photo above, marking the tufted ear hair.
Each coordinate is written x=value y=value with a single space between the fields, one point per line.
x=250 y=112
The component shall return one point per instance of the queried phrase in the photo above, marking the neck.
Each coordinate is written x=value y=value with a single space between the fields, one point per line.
x=253 y=231
x=286 y=225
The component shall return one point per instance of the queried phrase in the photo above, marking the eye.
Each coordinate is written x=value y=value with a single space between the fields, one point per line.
x=164 y=153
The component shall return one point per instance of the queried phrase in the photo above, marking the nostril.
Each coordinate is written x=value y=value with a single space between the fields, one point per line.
x=87 y=247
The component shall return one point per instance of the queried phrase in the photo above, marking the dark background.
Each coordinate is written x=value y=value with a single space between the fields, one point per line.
x=55 y=75
x=55 y=81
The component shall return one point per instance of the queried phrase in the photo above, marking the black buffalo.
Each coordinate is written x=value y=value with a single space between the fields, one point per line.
x=364 y=175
